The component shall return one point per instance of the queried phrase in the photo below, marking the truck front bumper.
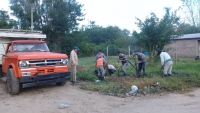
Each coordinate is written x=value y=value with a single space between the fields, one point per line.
x=37 y=80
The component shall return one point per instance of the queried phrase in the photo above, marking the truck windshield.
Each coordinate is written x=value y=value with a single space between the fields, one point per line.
x=17 y=47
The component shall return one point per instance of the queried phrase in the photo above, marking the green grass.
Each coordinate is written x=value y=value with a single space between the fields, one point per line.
x=188 y=67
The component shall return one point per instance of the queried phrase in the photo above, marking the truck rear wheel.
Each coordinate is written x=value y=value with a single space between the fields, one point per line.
x=13 y=85
x=60 y=83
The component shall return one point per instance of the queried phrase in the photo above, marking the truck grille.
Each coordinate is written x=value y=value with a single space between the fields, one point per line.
x=44 y=71
x=50 y=62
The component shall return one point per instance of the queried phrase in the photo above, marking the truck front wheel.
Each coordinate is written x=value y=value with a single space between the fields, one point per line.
x=13 y=85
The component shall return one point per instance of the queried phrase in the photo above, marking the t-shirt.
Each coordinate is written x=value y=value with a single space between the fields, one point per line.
x=100 y=55
x=141 y=57
x=123 y=57
x=164 y=56
x=111 y=67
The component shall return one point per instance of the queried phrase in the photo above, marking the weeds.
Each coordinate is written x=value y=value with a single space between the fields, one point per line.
x=186 y=76
x=86 y=76
x=120 y=85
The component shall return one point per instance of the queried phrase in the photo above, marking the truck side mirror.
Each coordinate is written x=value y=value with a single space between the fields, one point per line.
x=3 y=55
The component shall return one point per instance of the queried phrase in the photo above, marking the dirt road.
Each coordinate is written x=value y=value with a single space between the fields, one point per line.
x=47 y=98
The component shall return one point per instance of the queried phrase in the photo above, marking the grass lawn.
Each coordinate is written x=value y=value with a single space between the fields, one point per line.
x=187 y=76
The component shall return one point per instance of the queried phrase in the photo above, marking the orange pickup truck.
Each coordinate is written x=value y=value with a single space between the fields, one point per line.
x=26 y=61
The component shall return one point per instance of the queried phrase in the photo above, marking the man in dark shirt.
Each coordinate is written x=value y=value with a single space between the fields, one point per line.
x=141 y=63
x=123 y=60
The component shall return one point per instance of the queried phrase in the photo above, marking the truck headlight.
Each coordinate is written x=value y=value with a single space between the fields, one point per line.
x=23 y=64
x=64 y=61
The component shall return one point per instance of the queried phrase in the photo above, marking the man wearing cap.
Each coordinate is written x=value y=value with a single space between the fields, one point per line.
x=73 y=63
x=141 y=63
x=123 y=60
x=166 y=63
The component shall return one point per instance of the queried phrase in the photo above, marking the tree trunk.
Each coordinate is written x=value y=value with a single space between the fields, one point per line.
x=151 y=58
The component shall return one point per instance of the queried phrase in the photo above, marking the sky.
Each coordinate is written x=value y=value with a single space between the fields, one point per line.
x=121 y=13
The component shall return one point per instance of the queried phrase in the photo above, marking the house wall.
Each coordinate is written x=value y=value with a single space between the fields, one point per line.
x=185 y=48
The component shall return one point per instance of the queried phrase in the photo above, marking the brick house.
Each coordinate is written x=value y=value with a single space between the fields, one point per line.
x=187 y=45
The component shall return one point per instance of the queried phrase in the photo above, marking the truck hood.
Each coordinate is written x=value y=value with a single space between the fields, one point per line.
x=38 y=55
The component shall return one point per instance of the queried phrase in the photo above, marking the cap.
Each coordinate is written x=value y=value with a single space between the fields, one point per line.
x=75 y=47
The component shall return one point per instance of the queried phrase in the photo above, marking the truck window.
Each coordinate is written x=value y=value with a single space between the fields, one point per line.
x=30 y=47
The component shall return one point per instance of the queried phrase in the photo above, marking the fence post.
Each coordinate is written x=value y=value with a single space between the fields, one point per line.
x=129 y=50
x=107 y=51
x=176 y=54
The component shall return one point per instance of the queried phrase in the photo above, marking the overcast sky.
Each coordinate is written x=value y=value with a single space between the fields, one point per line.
x=120 y=13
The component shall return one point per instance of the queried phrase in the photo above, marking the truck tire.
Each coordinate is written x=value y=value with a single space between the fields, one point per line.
x=1 y=74
x=13 y=85
x=60 y=83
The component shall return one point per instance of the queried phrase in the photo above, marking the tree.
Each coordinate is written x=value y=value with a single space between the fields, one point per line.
x=55 y=18
x=99 y=35
x=156 y=33
x=22 y=10
x=192 y=10
x=60 y=18
x=5 y=21
x=123 y=42
x=185 y=28
x=4 y=15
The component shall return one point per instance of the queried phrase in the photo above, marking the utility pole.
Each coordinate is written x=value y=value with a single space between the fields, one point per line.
x=176 y=53
x=32 y=17
x=129 y=50
x=107 y=51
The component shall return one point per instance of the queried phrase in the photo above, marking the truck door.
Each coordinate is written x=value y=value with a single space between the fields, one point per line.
x=3 y=45
x=4 y=57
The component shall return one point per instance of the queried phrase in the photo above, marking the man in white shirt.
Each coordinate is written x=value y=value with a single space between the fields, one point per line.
x=111 y=69
x=166 y=63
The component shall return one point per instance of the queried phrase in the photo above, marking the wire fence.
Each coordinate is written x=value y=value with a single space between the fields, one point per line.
x=113 y=51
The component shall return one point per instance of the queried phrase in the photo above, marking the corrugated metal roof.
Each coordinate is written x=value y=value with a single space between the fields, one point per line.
x=188 y=36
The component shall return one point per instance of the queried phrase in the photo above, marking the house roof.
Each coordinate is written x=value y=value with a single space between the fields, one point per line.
x=188 y=36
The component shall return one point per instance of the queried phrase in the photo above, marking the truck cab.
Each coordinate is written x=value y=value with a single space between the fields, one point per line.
x=27 y=61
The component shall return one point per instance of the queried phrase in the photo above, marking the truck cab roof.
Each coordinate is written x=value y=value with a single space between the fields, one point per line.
x=27 y=41
x=15 y=33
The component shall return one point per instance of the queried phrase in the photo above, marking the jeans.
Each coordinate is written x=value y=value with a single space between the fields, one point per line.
x=124 y=68
x=141 y=66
